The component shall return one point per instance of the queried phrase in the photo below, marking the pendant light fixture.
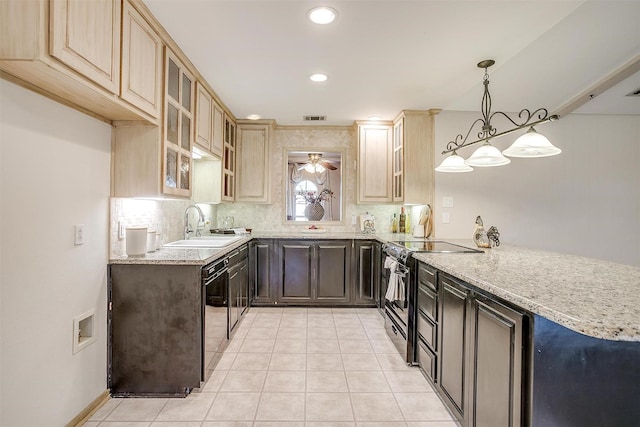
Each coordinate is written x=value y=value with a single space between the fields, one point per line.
x=454 y=163
x=531 y=144
x=487 y=156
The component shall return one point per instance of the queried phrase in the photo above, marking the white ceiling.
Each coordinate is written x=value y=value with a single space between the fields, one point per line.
x=385 y=56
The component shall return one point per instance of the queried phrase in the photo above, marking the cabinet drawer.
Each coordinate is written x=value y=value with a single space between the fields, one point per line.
x=427 y=361
x=427 y=276
x=427 y=331
x=427 y=301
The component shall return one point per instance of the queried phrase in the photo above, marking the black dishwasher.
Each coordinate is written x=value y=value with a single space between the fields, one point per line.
x=214 y=313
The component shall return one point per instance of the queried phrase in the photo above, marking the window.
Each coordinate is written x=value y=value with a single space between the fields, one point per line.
x=301 y=203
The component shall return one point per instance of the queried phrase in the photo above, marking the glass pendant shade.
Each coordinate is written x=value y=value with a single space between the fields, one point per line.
x=531 y=144
x=453 y=163
x=487 y=156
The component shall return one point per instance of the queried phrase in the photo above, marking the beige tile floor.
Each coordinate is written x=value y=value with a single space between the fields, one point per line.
x=294 y=367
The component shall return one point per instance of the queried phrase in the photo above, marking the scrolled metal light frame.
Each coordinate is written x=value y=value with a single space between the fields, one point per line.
x=525 y=119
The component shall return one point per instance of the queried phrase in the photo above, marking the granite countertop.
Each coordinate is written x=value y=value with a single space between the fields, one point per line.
x=201 y=256
x=594 y=297
x=181 y=256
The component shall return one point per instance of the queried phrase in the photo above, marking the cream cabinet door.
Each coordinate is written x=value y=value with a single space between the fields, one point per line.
x=141 y=62
x=375 y=164
x=85 y=35
x=217 y=142
x=252 y=181
x=203 y=118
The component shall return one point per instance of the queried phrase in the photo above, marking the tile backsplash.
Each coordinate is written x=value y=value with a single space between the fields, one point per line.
x=166 y=216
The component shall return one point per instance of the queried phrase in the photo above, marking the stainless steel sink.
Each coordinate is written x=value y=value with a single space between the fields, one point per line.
x=204 y=242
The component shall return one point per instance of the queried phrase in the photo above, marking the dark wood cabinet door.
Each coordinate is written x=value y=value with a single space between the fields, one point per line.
x=497 y=362
x=332 y=263
x=295 y=281
x=261 y=272
x=366 y=272
x=453 y=345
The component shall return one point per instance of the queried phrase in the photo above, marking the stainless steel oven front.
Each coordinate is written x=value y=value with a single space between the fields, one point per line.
x=399 y=303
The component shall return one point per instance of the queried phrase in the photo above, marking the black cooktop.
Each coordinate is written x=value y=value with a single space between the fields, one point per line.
x=434 y=246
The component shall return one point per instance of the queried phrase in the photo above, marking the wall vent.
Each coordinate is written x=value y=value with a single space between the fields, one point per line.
x=314 y=118
x=634 y=93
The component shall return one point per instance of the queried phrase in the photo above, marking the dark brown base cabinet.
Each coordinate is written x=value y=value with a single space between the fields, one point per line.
x=155 y=329
x=314 y=272
x=317 y=272
x=495 y=365
x=366 y=272
x=262 y=264
x=480 y=356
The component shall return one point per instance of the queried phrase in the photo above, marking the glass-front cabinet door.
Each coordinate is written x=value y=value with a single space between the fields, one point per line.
x=178 y=127
x=229 y=160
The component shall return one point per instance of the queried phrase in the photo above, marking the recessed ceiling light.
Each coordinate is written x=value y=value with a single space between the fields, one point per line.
x=319 y=77
x=375 y=118
x=254 y=117
x=322 y=15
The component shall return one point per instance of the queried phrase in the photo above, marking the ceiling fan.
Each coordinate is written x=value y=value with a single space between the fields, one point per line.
x=317 y=164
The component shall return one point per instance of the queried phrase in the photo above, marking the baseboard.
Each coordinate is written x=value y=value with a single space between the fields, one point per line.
x=91 y=409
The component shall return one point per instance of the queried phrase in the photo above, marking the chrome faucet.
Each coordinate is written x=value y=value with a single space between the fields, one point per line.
x=187 y=229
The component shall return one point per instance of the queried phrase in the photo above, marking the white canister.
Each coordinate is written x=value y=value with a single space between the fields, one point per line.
x=151 y=240
x=136 y=240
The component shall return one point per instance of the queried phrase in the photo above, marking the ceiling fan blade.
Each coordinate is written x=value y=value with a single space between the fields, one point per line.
x=303 y=166
x=327 y=165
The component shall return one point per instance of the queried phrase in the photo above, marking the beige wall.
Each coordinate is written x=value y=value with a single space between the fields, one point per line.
x=54 y=174
x=585 y=201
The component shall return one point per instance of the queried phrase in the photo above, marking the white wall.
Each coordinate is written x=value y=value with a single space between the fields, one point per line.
x=585 y=201
x=54 y=173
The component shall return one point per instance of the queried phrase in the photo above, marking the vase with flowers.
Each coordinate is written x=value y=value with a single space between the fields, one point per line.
x=314 y=211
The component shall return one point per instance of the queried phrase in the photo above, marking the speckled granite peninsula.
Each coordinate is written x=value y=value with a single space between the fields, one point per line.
x=590 y=296
x=597 y=298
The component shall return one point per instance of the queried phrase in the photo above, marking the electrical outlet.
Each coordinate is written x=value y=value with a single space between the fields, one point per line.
x=445 y=217
x=353 y=220
x=78 y=234
x=121 y=230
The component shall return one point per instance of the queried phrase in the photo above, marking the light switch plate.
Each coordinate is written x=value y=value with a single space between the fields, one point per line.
x=78 y=231
x=445 y=217
x=447 y=202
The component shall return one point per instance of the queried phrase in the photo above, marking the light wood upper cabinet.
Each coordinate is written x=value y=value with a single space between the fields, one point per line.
x=253 y=157
x=141 y=83
x=85 y=35
x=136 y=160
x=206 y=180
x=375 y=162
x=217 y=143
x=203 y=118
x=413 y=157
x=209 y=122
x=69 y=51
x=178 y=126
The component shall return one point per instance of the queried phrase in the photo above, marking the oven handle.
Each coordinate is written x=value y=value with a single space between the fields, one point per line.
x=215 y=276
x=401 y=269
